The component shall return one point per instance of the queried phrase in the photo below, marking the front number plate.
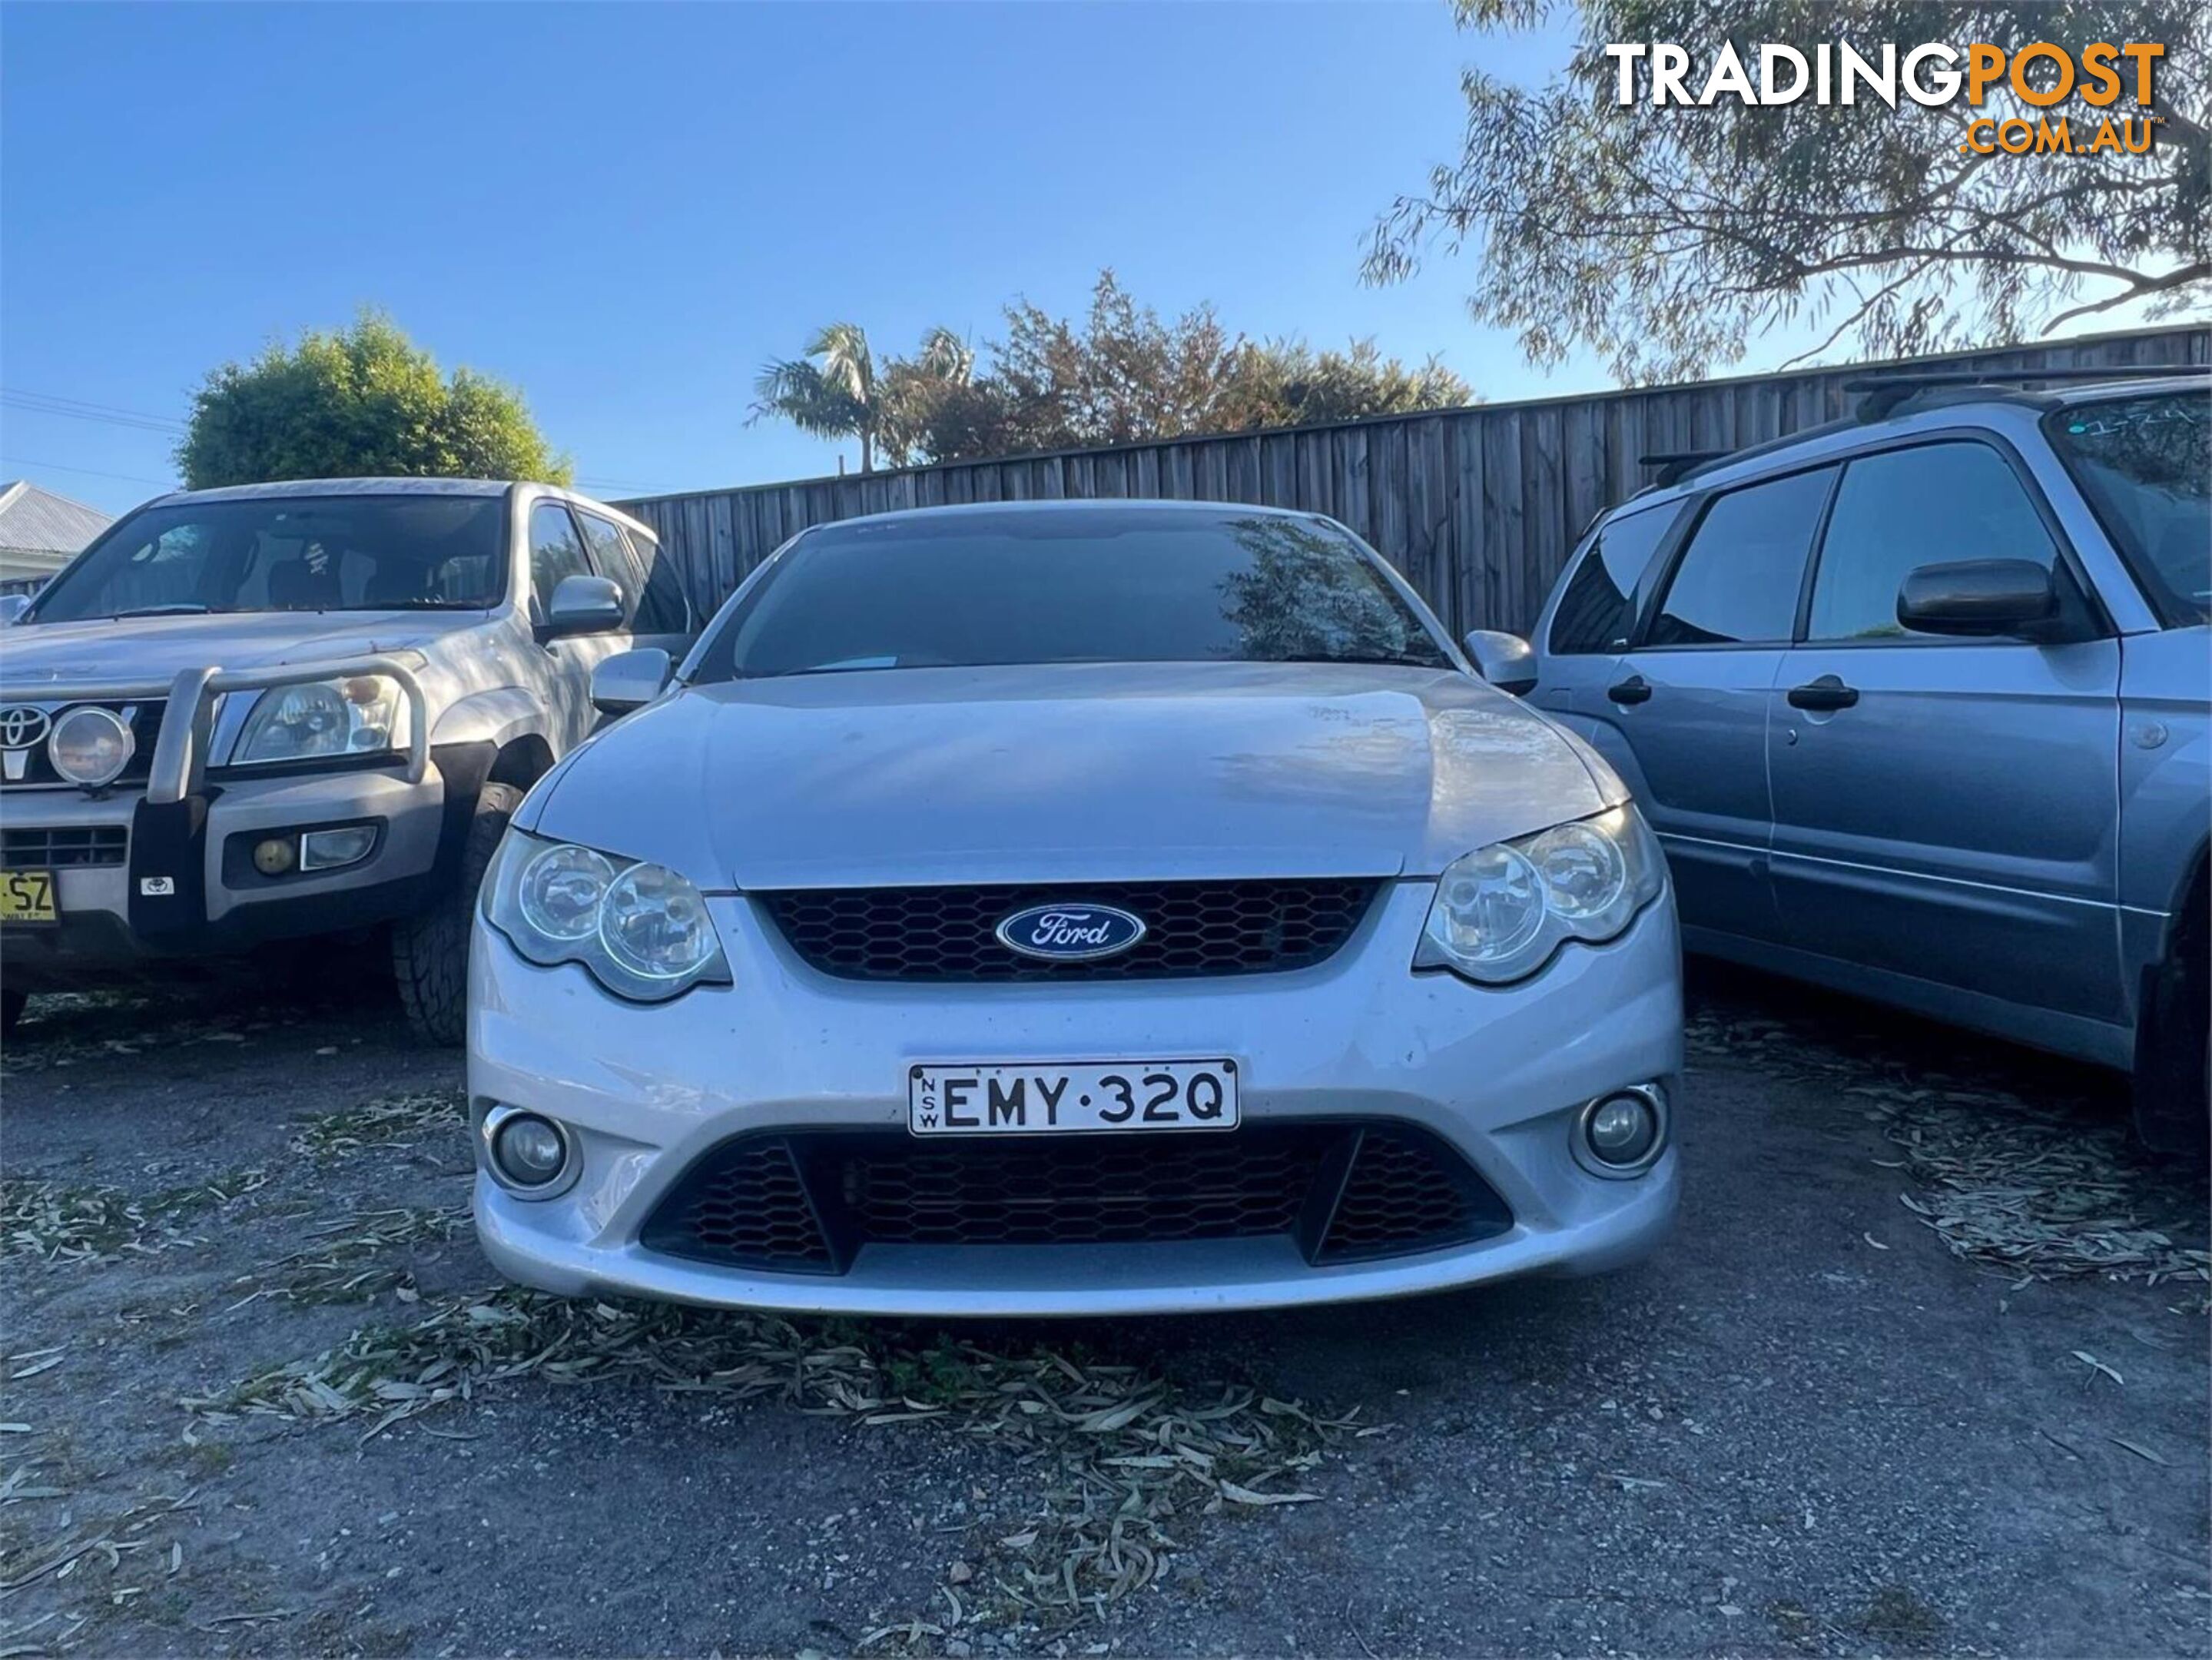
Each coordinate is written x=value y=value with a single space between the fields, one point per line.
x=27 y=898
x=1044 y=1097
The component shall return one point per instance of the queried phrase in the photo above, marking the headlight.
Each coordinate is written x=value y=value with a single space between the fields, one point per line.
x=1501 y=911
x=643 y=930
x=324 y=719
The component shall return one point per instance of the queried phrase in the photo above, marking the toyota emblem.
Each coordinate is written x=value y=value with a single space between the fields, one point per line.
x=22 y=726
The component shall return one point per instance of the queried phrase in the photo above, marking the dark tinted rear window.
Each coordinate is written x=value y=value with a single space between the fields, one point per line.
x=1738 y=579
x=1593 y=613
x=1068 y=585
x=661 y=609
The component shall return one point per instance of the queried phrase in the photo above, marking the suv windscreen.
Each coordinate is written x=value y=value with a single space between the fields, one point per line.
x=1068 y=585
x=2145 y=463
x=289 y=553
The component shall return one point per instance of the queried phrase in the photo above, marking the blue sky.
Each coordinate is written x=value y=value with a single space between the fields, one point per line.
x=624 y=210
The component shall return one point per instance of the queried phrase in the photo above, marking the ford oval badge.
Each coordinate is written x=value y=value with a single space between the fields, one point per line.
x=1070 y=933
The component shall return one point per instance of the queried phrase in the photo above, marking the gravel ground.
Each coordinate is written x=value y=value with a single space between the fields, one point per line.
x=1836 y=1415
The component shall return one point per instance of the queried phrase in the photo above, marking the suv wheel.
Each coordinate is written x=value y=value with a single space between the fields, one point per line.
x=430 y=951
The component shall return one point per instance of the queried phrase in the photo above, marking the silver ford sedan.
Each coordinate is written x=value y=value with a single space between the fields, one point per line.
x=1058 y=909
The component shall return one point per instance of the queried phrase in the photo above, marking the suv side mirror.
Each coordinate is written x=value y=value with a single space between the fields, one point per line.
x=1978 y=596
x=12 y=606
x=1506 y=660
x=630 y=680
x=582 y=605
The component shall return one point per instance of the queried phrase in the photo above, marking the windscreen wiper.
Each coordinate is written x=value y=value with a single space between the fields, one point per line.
x=175 y=608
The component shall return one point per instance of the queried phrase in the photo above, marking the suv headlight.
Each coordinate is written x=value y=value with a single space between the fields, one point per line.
x=1500 y=912
x=641 y=929
x=323 y=720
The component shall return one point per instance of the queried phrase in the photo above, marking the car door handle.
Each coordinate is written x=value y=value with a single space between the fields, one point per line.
x=1634 y=690
x=1829 y=692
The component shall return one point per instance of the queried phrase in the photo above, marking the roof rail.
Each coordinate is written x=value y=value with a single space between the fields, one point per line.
x=1673 y=464
x=1885 y=392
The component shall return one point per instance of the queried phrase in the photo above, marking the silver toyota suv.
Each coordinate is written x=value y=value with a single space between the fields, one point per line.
x=280 y=710
x=1917 y=703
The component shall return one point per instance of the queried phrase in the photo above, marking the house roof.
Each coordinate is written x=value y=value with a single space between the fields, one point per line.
x=35 y=520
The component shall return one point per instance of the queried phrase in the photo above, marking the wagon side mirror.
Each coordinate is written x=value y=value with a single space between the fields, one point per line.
x=12 y=606
x=1978 y=596
x=1506 y=660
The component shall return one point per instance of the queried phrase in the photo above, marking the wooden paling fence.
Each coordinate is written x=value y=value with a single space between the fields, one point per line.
x=1479 y=506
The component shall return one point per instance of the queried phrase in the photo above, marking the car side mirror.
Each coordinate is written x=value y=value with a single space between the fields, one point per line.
x=630 y=680
x=1978 y=596
x=1506 y=660
x=12 y=606
x=582 y=605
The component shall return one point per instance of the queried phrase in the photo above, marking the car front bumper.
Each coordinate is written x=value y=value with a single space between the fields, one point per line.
x=1500 y=1074
x=163 y=869
x=178 y=880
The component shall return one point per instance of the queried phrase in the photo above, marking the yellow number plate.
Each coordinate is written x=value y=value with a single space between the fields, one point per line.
x=27 y=895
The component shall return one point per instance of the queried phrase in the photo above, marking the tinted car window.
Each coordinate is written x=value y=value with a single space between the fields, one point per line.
x=289 y=553
x=1068 y=585
x=611 y=558
x=2146 y=466
x=610 y=553
x=660 y=607
x=1925 y=506
x=1593 y=612
x=555 y=551
x=1738 y=580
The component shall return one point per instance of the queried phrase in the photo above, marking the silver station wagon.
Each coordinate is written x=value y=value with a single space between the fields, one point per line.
x=1916 y=704
x=1071 y=908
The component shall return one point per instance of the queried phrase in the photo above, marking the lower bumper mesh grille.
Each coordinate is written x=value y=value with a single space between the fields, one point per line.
x=809 y=1202
x=72 y=848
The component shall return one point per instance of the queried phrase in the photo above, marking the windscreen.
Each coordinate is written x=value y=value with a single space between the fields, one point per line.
x=289 y=553
x=1068 y=585
x=2146 y=466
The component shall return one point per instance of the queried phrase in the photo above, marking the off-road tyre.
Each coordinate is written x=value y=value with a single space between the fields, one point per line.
x=430 y=951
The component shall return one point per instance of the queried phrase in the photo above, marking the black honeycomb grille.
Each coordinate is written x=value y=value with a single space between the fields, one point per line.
x=1113 y=1192
x=946 y=933
x=1405 y=1194
x=808 y=1201
x=756 y=1210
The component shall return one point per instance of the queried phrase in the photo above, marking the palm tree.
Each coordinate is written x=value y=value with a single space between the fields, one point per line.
x=946 y=356
x=830 y=390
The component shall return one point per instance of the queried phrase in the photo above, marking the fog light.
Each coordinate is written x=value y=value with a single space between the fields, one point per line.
x=1622 y=1134
x=90 y=746
x=529 y=1150
x=331 y=849
x=273 y=857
